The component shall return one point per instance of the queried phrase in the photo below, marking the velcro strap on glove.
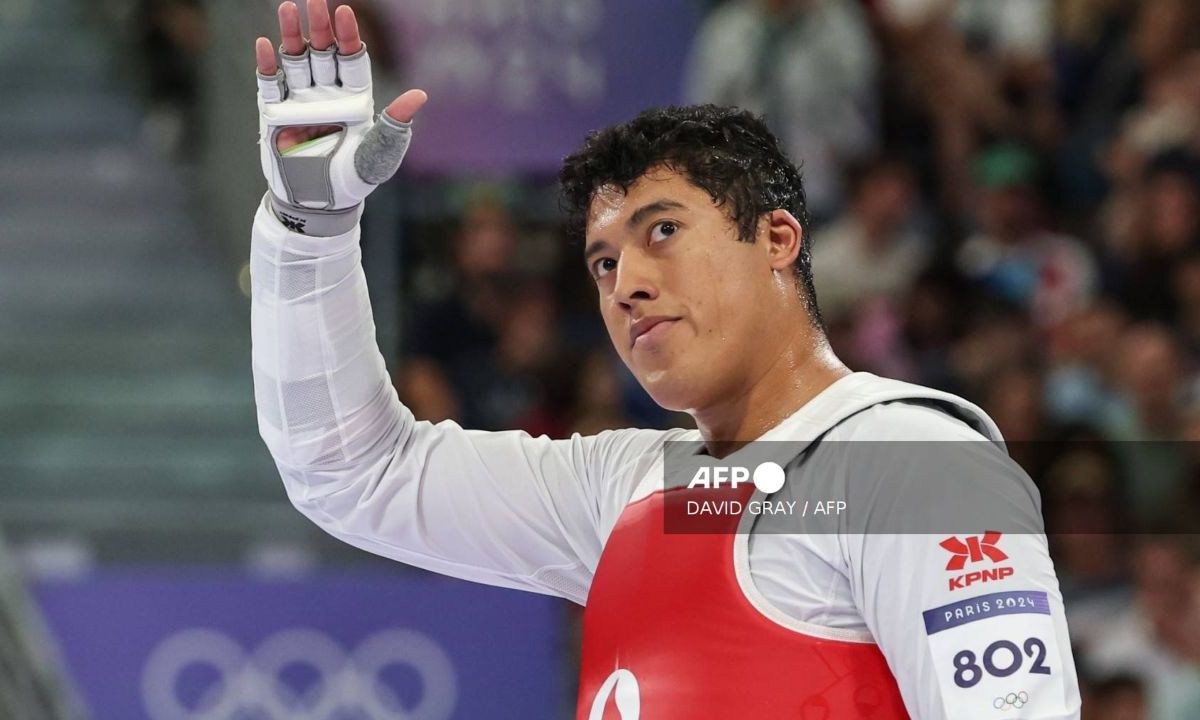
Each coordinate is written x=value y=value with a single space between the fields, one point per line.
x=307 y=221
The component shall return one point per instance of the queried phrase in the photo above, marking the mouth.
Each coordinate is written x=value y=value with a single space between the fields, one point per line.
x=649 y=329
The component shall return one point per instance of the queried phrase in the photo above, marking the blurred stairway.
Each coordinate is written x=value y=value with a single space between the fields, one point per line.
x=127 y=423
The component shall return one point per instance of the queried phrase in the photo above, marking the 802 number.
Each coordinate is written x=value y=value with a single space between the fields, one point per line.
x=967 y=673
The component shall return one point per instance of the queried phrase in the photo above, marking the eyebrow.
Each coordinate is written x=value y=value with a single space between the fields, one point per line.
x=634 y=220
x=657 y=206
x=598 y=246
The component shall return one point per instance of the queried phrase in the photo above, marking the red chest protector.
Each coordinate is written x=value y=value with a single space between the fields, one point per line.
x=669 y=635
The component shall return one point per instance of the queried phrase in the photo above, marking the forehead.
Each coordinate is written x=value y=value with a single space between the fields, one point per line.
x=611 y=205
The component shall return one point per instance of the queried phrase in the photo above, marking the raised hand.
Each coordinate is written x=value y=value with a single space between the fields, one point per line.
x=320 y=149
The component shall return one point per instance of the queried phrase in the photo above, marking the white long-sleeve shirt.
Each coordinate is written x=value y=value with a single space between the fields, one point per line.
x=507 y=509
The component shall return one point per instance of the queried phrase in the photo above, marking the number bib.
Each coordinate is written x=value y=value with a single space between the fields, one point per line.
x=995 y=654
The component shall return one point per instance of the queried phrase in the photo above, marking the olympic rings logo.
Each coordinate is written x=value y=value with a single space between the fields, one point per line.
x=254 y=685
x=1014 y=701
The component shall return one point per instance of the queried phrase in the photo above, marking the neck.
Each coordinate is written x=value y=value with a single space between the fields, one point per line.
x=805 y=368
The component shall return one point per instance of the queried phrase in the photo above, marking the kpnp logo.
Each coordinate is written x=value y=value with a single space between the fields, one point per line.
x=973 y=550
x=768 y=477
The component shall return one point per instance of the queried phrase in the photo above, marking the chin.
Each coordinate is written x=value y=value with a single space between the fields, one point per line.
x=669 y=389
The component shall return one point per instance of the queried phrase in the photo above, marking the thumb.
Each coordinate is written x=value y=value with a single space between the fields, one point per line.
x=383 y=147
x=403 y=108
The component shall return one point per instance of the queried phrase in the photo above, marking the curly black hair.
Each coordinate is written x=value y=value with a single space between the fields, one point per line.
x=727 y=152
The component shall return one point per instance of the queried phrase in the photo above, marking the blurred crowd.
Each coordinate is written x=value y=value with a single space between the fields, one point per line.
x=1006 y=197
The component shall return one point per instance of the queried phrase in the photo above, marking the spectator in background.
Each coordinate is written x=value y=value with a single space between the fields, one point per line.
x=456 y=337
x=1096 y=78
x=1086 y=519
x=1183 y=515
x=978 y=68
x=1162 y=66
x=871 y=252
x=1012 y=397
x=934 y=313
x=1162 y=53
x=996 y=341
x=1149 y=373
x=1156 y=640
x=598 y=406
x=873 y=339
x=510 y=389
x=1012 y=256
x=1165 y=228
x=1096 y=82
x=1124 y=382
x=1082 y=365
x=1185 y=281
x=809 y=66
x=1116 y=697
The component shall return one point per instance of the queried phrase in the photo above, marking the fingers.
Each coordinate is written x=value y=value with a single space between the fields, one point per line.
x=403 y=108
x=289 y=28
x=348 y=39
x=294 y=51
x=264 y=54
x=355 y=70
x=324 y=67
x=353 y=66
x=271 y=86
x=313 y=62
x=319 y=29
x=296 y=70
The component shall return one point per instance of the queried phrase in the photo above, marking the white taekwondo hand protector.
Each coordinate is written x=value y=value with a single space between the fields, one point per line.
x=317 y=187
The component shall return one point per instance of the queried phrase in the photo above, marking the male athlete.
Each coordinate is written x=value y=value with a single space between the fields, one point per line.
x=695 y=235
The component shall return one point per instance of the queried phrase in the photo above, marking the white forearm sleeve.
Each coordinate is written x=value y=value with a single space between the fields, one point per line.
x=500 y=508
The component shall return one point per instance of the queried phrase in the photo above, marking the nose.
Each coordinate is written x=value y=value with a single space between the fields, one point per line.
x=635 y=280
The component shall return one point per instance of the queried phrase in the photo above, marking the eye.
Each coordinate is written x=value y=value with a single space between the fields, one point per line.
x=662 y=230
x=602 y=267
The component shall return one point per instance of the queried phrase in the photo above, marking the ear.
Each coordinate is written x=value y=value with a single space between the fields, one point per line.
x=784 y=237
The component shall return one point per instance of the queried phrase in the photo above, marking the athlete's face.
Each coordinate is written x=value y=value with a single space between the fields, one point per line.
x=692 y=311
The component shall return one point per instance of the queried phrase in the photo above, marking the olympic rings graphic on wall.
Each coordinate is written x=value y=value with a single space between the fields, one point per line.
x=253 y=684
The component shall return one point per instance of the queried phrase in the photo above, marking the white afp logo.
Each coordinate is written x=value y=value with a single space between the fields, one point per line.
x=767 y=477
x=252 y=685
